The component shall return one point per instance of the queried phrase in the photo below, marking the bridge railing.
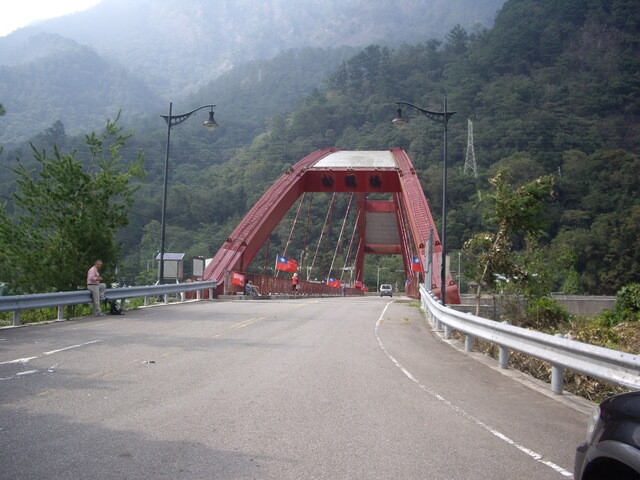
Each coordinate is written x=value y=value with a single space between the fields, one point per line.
x=20 y=303
x=268 y=285
x=618 y=368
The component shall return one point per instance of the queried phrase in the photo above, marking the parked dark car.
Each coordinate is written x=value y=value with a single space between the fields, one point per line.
x=612 y=449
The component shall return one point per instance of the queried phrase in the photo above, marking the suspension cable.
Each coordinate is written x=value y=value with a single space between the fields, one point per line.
x=408 y=245
x=353 y=235
x=293 y=225
x=344 y=222
x=324 y=226
x=306 y=235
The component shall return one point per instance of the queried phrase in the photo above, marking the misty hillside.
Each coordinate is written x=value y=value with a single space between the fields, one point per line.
x=150 y=52
x=551 y=89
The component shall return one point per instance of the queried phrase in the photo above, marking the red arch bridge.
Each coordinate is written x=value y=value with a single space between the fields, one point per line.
x=390 y=215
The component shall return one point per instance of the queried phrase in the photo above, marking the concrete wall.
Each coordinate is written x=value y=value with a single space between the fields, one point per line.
x=585 y=306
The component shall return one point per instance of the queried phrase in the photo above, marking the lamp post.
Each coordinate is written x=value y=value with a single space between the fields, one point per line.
x=378 y=277
x=440 y=117
x=172 y=120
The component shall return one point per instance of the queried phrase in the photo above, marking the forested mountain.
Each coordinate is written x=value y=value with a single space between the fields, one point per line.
x=552 y=88
x=147 y=50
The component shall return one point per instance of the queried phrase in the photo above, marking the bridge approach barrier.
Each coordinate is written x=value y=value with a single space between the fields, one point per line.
x=612 y=366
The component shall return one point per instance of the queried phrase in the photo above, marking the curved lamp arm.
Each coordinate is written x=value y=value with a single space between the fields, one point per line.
x=440 y=117
x=177 y=119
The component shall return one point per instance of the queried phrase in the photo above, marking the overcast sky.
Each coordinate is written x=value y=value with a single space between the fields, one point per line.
x=16 y=14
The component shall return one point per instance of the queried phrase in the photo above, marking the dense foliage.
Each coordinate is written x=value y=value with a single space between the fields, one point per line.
x=516 y=211
x=68 y=212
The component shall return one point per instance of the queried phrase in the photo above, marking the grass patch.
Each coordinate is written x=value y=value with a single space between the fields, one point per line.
x=70 y=311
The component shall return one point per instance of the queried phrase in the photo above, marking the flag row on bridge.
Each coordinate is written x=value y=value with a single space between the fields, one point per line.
x=289 y=265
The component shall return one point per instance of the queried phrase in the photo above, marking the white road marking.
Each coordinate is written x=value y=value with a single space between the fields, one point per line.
x=27 y=359
x=69 y=348
x=493 y=431
x=18 y=360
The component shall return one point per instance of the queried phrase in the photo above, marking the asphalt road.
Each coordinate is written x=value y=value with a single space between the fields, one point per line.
x=338 y=388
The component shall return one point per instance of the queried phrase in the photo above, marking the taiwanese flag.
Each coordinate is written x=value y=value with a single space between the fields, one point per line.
x=415 y=265
x=286 y=264
x=358 y=284
x=332 y=282
x=237 y=279
x=365 y=288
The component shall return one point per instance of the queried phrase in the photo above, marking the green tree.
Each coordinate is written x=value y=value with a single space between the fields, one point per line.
x=515 y=211
x=67 y=214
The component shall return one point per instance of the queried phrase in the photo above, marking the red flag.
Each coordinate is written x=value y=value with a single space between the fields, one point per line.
x=237 y=279
x=286 y=264
x=332 y=282
x=415 y=265
x=358 y=284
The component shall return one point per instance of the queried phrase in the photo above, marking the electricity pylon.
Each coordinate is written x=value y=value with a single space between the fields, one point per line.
x=470 y=159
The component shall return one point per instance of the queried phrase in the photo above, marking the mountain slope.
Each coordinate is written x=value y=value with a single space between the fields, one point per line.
x=147 y=50
x=72 y=84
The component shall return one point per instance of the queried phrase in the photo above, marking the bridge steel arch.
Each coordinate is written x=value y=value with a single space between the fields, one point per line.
x=403 y=225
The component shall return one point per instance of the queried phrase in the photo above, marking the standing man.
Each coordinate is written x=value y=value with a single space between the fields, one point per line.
x=294 y=283
x=97 y=288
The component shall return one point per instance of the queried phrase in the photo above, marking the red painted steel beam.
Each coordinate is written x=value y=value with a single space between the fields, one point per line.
x=254 y=229
x=415 y=223
x=352 y=180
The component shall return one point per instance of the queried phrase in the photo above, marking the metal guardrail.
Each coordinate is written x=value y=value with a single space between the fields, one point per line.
x=19 y=303
x=608 y=365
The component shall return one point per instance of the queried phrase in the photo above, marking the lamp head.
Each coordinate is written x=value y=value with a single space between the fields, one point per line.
x=399 y=121
x=210 y=123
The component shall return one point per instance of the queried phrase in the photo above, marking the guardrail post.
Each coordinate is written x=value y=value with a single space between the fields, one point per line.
x=146 y=301
x=468 y=343
x=557 y=379
x=16 y=318
x=447 y=332
x=60 y=312
x=182 y=297
x=557 y=376
x=211 y=294
x=503 y=357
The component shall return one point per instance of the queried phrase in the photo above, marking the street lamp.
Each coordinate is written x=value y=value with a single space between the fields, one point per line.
x=440 y=117
x=378 y=277
x=172 y=120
